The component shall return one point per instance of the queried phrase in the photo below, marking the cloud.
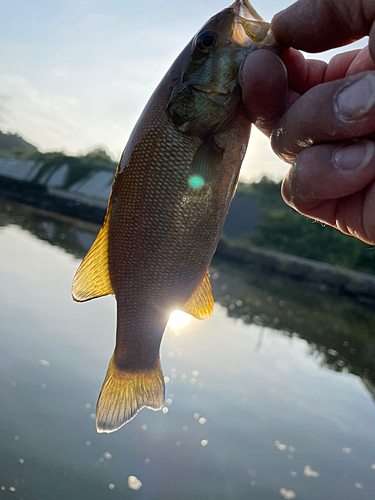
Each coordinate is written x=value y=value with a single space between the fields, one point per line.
x=52 y=121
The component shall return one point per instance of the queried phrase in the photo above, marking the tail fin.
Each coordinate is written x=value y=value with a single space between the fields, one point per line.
x=124 y=393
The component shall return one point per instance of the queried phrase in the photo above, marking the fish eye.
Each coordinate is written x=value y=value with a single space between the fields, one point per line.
x=206 y=40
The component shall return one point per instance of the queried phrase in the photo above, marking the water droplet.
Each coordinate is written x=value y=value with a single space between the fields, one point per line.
x=195 y=373
x=107 y=455
x=2 y=488
x=332 y=352
x=170 y=354
x=280 y=446
x=169 y=401
x=194 y=396
x=185 y=428
x=200 y=384
x=16 y=438
x=166 y=380
x=101 y=460
x=373 y=466
x=204 y=442
x=196 y=416
x=111 y=486
x=165 y=409
x=12 y=488
x=309 y=472
x=347 y=450
x=178 y=444
x=88 y=443
x=43 y=386
x=144 y=427
x=287 y=494
x=21 y=460
x=44 y=362
x=193 y=381
x=359 y=486
x=87 y=406
x=134 y=483
x=294 y=473
x=183 y=376
x=93 y=416
x=202 y=420
x=147 y=461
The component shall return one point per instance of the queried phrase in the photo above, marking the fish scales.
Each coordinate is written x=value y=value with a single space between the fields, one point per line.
x=169 y=200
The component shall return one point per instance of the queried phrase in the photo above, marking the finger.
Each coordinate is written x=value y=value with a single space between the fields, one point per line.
x=264 y=89
x=362 y=62
x=335 y=184
x=334 y=111
x=338 y=66
x=303 y=73
x=323 y=24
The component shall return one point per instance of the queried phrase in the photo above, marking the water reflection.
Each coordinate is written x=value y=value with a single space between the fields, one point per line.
x=254 y=405
x=340 y=332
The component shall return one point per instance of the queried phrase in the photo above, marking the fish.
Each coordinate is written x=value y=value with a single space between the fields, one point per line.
x=170 y=196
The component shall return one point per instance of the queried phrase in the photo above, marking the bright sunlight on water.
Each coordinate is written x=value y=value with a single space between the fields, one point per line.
x=271 y=398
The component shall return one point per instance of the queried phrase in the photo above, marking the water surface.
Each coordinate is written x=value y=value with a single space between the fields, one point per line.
x=271 y=398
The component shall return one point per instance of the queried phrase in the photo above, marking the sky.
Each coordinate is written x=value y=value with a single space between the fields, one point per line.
x=75 y=75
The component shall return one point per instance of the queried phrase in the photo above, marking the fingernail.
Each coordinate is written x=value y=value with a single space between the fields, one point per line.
x=356 y=100
x=355 y=156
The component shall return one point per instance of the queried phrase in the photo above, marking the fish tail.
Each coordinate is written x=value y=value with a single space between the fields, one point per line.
x=125 y=392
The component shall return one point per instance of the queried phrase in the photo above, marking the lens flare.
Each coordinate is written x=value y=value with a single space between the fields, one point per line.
x=178 y=319
x=196 y=181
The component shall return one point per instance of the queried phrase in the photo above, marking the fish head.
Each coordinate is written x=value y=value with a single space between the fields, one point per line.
x=205 y=90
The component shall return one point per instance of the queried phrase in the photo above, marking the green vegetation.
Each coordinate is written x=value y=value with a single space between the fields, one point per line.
x=281 y=228
x=12 y=145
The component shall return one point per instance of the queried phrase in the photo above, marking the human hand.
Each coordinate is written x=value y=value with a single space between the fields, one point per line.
x=321 y=118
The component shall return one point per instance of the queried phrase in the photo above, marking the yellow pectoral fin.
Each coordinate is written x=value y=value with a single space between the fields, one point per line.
x=92 y=277
x=200 y=303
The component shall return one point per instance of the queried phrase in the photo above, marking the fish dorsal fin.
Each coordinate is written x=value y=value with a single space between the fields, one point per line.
x=200 y=303
x=92 y=277
x=207 y=160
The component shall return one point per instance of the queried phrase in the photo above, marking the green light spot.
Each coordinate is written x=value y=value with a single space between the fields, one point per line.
x=196 y=181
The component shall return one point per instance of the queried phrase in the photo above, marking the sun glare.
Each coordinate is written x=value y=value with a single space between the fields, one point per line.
x=178 y=319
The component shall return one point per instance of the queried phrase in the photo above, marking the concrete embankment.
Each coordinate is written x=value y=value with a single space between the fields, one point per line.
x=326 y=277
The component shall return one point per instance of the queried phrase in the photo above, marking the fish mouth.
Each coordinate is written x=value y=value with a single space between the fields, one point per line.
x=243 y=8
x=217 y=90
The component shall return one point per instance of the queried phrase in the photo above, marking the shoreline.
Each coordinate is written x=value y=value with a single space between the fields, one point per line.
x=89 y=214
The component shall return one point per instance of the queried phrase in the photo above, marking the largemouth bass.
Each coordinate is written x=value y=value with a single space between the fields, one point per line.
x=169 y=200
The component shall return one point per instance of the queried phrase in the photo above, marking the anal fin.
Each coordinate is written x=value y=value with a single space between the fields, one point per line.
x=200 y=303
x=125 y=392
x=92 y=277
